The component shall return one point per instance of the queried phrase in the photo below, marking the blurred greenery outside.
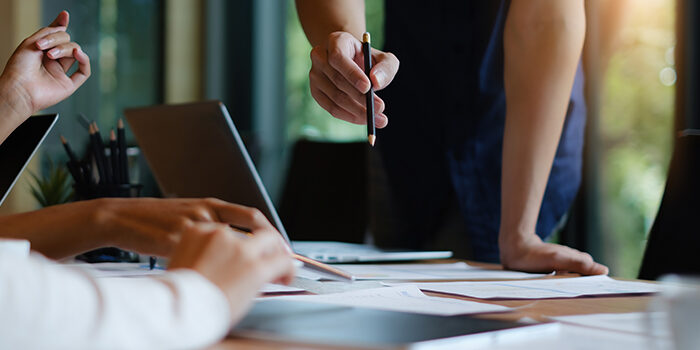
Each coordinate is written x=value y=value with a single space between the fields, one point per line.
x=636 y=121
x=636 y=130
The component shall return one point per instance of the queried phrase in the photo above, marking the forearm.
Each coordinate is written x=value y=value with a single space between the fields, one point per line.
x=49 y=306
x=322 y=17
x=542 y=43
x=59 y=231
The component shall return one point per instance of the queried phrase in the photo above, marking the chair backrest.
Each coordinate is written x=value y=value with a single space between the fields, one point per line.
x=325 y=194
x=674 y=239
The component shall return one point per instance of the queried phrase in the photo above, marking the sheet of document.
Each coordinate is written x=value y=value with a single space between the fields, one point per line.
x=541 y=289
x=571 y=337
x=427 y=272
x=272 y=288
x=642 y=323
x=121 y=270
x=118 y=269
x=402 y=298
x=422 y=272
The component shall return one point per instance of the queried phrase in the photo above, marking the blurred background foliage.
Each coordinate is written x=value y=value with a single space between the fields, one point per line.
x=636 y=130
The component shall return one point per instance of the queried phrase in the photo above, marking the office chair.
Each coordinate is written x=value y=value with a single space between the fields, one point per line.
x=325 y=194
x=674 y=239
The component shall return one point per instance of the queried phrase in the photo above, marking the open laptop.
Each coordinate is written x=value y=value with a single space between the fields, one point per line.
x=19 y=148
x=194 y=151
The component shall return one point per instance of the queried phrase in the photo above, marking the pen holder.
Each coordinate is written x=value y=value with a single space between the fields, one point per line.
x=93 y=191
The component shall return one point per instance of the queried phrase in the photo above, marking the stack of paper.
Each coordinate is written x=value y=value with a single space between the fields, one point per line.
x=402 y=298
x=541 y=289
x=421 y=272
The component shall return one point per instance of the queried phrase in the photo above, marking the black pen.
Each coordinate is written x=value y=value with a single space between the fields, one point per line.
x=101 y=154
x=73 y=164
x=97 y=147
x=369 y=101
x=152 y=262
x=113 y=156
x=123 y=162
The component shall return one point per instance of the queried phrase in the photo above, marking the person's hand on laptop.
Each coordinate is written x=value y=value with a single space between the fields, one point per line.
x=35 y=76
x=146 y=225
x=239 y=265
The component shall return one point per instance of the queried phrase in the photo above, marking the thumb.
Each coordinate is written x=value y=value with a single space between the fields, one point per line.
x=61 y=20
x=386 y=65
x=580 y=262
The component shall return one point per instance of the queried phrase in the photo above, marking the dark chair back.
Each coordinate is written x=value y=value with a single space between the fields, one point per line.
x=325 y=194
x=674 y=239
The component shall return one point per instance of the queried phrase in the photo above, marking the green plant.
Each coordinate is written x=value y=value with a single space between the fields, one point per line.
x=54 y=188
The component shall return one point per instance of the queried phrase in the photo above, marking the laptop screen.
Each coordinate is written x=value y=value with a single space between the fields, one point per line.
x=19 y=147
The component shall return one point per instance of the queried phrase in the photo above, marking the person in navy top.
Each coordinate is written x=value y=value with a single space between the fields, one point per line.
x=485 y=143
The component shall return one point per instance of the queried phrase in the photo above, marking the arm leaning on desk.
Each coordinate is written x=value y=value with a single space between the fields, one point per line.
x=538 y=310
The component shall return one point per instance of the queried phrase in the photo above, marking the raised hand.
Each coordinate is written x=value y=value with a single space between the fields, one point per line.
x=338 y=82
x=35 y=76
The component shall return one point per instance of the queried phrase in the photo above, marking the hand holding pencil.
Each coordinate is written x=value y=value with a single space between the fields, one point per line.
x=338 y=81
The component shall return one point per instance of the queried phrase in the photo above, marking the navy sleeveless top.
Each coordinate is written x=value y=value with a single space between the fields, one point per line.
x=447 y=112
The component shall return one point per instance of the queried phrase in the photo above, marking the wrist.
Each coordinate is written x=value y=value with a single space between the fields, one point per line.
x=101 y=221
x=15 y=99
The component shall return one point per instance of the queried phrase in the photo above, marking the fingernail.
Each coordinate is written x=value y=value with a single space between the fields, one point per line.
x=380 y=77
x=54 y=52
x=42 y=42
x=361 y=85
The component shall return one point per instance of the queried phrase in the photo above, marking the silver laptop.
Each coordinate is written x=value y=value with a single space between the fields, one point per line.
x=194 y=151
x=19 y=148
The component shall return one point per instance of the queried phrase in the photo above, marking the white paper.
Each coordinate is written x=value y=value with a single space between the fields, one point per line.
x=120 y=270
x=540 y=289
x=272 y=288
x=641 y=323
x=430 y=272
x=571 y=337
x=101 y=270
x=402 y=298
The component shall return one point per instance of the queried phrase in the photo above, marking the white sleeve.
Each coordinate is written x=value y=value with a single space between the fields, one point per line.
x=47 y=306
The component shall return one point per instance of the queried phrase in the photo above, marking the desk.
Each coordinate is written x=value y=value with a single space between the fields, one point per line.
x=535 y=309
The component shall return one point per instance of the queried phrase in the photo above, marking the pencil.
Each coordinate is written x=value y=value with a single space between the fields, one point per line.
x=96 y=149
x=101 y=154
x=308 y=262
x=72 y=163
x=121 y=144
x=369 y=96
x=113 y=156
x=69 y=150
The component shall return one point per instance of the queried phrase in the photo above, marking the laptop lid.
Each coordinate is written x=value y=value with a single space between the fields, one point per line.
x=181 y=142
x=19 y=148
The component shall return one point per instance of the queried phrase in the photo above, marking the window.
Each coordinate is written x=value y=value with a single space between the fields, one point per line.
x=123 y=40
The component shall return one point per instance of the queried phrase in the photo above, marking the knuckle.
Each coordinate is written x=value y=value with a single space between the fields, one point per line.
x=337 y=78
x=255 y=215
x=335 y=56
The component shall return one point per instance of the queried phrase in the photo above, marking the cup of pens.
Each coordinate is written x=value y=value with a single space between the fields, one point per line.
x=103 y=172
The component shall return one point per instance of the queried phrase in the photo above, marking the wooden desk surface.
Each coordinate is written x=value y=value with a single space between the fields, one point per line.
x=536 y=309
